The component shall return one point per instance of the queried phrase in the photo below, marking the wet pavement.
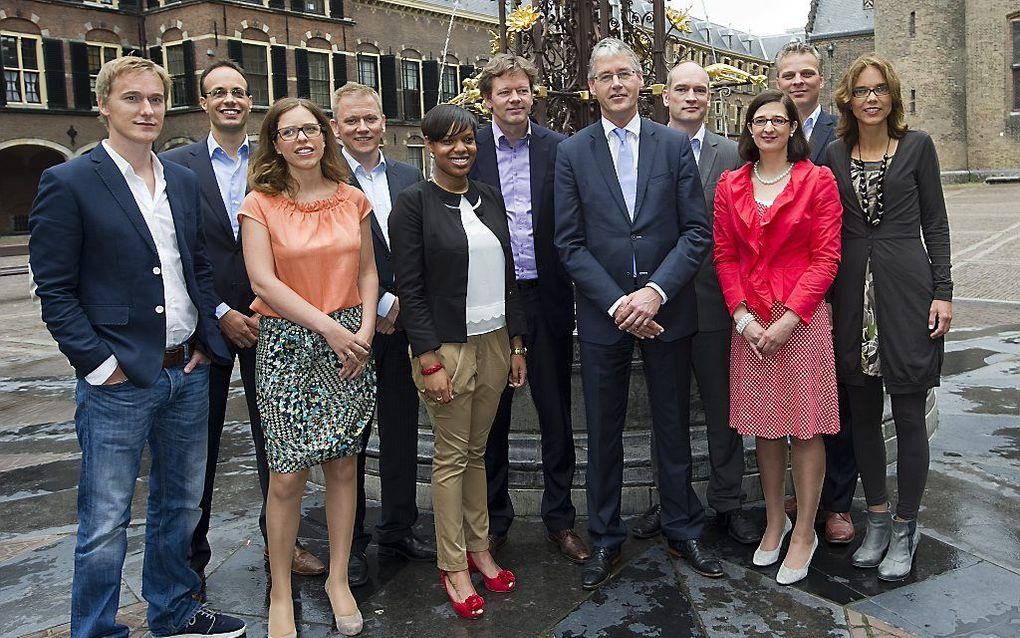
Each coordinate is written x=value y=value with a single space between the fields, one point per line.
x=966 y=580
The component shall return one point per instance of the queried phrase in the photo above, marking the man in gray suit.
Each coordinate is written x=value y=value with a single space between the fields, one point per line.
x=687 y=97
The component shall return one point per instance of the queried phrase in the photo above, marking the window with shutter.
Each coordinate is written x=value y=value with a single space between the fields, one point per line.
x=22 y=64
x=339 y=70
x=56 y=80
x=318 y=78
x=279 y=70
x=98 y=55
x=368 y=70
x=411 y=97
x=388 y=85
x=301 y=71
x=173 y=54
x=336 y=8
x=430 y=83
x=450 y=82
x=190 y=87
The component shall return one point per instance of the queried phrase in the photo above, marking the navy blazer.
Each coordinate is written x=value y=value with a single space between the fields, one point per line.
x=230 y=277
x=554 y=286
x=823 y=133
x=96 y=266
x=599 y=244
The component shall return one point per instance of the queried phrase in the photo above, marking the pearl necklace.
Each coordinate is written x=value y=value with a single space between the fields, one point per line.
x=769 y=182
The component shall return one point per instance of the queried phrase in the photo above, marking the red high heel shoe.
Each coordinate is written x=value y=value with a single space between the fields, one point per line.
x=503 y=582
x=471 y=608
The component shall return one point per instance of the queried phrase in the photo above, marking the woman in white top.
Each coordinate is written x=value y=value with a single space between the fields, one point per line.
x=458 y=304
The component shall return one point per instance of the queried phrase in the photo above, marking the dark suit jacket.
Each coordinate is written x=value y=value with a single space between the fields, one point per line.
x=230 y=277
x=93 y=261
x=554 y=287
x=430 y=261
x=718 y=154
x=823 y=133
x=599 y=243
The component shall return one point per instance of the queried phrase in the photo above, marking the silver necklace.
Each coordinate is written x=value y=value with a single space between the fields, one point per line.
x=769 y=182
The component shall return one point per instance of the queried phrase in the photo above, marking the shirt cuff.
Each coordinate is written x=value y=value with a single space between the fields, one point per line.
x=105 y=370
x=662 y=293
x=612 y=308
x=385 y=303
x=222 y=309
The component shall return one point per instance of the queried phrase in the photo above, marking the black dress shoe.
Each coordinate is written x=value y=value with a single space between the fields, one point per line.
x=357 y=568
x=599 y=567
x=648 y=525
x=695 y=554
x=410 y=547
x=741 y=527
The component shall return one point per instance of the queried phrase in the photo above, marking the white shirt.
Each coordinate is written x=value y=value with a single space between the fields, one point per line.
x=700 y=136
x=486 y=283
x=376 y=187
x=231 y=177
x=809 y=123
x=178 y=309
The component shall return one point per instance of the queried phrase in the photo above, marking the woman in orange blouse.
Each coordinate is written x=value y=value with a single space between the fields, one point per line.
x=777 y=223
x=308 y=250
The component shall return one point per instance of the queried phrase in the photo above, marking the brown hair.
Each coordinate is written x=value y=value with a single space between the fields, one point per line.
x=269 y=173
x=796 y=149
x=219 y=64
x=127 y=64
x=844 y=96
x=502 y=64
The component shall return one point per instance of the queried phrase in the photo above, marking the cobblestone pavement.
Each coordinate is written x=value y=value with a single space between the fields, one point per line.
x=966 y=580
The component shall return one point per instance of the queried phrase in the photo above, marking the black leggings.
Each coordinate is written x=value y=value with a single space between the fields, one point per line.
x=866 y=404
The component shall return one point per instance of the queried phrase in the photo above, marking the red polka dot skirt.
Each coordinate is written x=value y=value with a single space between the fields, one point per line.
x=792 y=392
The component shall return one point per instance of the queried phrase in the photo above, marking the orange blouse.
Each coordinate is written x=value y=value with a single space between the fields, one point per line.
x=316 y=245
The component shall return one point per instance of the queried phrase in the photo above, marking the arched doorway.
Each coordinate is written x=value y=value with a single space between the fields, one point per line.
x=23 y=162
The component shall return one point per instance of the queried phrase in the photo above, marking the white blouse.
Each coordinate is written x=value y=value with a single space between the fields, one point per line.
x=486 y=283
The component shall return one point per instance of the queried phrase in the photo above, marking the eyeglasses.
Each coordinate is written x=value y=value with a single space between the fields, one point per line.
x=219 y=93
x=776 y=120
x=623 y=76
x=290 y=133
x=862 y=92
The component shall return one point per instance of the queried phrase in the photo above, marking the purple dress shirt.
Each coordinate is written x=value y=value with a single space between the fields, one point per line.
x=514 y=164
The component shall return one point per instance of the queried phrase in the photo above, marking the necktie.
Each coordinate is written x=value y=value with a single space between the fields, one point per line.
x=696 y=147
x=626 y=171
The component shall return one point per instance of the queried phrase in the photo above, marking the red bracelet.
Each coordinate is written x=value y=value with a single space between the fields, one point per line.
x=432 y=369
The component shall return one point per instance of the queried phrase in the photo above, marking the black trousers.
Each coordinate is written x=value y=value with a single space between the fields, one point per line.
x=840 y=461
x=550 y=355
x=219 y=387
x=397 y=413
x=605 y=372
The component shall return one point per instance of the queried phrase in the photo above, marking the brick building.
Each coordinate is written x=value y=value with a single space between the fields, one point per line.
x=842 y=30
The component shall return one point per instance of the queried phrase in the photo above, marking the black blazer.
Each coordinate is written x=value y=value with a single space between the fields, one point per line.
x=554 y=286
x=430 y=261
x=230 y=277
x=823 y=133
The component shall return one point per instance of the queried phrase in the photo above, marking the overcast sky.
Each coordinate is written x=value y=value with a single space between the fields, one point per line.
x=760 y=17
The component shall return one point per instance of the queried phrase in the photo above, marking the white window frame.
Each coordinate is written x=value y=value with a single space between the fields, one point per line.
x=102 y=60
x=329 y=76
x=421 y=89
x=269 y=70
x=20 y=70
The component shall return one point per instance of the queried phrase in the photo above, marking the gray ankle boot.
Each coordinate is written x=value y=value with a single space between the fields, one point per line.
x=876 y=540
x=900 y=558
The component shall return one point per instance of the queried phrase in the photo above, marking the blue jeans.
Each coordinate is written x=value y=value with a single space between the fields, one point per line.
x=113 y=424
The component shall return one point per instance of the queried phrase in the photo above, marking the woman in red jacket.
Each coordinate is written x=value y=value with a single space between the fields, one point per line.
x=777 y=243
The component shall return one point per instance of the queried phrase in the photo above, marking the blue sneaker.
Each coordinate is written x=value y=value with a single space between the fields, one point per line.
x=207 y=623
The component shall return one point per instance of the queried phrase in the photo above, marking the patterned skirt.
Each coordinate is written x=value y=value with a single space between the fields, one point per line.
x=791 y=393
x=309 y=414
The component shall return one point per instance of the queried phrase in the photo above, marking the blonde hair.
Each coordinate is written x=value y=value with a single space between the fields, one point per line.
x=353 y=88
x=847 y=128
x=127 y=64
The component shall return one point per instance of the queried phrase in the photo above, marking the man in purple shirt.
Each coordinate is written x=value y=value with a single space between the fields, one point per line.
x=519 y=157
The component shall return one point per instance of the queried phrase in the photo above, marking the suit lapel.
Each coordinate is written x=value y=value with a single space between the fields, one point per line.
x=177 y=199
x=707 y=160
x=201 y=163
x=647 y=145
x=117 y=184
x=374 y=221
x=537 y=156
x=604 y=160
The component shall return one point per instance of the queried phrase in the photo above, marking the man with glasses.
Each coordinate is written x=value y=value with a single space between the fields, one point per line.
x=799 y=75
x=221 y=162
x=358 y=122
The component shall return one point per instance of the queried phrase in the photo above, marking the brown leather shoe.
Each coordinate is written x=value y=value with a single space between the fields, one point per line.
x=839 y=528
x=571 y=545
x=791 y=506
x=304 y=562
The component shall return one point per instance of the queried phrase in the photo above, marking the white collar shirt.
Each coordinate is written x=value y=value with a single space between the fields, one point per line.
x=810 y=121
x=376 y=187
x=700 y=138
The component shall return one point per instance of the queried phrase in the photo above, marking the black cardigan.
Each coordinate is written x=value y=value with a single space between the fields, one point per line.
x=430 y=264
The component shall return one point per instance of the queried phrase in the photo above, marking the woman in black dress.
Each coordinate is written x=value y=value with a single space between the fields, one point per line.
x=892 y=298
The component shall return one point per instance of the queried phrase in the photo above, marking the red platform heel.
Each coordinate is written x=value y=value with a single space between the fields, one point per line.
x=471 y=608
x=503 y=582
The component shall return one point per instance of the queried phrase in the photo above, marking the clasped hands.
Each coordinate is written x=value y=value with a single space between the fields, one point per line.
x=353 y=348
x=766 y=341
x=636 y=313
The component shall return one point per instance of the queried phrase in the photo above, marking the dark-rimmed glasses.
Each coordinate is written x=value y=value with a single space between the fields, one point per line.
x=776 y=120
x=862 y=92
x=290 y=133
x=219 y=93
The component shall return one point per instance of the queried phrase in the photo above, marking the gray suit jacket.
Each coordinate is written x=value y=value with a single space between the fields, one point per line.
x=718 y=154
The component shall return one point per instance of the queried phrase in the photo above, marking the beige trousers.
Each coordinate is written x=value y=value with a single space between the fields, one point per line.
x=479 y=371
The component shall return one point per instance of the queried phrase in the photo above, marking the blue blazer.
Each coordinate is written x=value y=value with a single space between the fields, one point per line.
x=823 y=133
x=94 y=262
x=599 y=244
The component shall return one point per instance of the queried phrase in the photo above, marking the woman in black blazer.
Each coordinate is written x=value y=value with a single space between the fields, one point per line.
x=455 y=279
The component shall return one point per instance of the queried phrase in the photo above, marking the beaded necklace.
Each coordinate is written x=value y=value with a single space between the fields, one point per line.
x=862 y=187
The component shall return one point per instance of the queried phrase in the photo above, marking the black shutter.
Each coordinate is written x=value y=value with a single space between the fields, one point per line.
x=275 y=4
x=388 y=85
x=430 y=83
x=80 y=76
x=339 y=70
x=190 y=92
x=56 y=77
x=336 y=8
x=466 y=71
x=155 y=54
x=279 y=57
x=235 y=51
x=297 y=5
x=301 y=70
x=3 y=91
x=127 y=5
x=152 y=4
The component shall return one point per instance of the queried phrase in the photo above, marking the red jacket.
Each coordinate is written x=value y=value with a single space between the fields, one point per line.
x=791 y=256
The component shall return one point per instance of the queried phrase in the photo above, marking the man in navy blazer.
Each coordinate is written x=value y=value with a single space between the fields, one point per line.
x=220 y=160
x=632 y=230
x=518 y=157
x=799 y=75
x=118 y=256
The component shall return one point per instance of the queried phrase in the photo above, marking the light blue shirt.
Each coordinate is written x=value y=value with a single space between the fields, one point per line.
x=376 y=187
x=809 y=123
x=232 y=178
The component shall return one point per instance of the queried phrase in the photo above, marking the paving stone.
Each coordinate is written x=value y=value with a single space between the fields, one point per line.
x=12 y=549
x=132 y=616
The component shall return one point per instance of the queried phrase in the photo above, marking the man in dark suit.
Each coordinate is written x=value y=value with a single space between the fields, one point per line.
x=119 y=261
x=632 y=230
x=359 y=124
x=519 y=158
x=687 y=96
x=221 y=162
x=799 y=75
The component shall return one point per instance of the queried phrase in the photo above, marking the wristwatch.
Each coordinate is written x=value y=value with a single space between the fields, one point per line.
x=523 y=351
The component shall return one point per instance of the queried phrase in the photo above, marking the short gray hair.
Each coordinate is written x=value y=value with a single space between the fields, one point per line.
x=796 y=47
x=609 y=48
